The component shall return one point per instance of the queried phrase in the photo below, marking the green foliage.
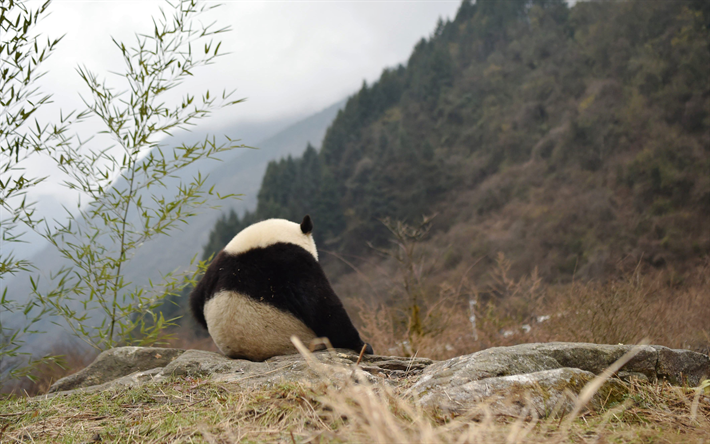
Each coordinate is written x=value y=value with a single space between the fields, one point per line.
x=130 y=197
x=291 y=189
x=128 y=184
x=221 y=234
x=21 y=136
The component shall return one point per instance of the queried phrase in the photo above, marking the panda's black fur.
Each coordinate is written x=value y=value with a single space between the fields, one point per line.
x=283 y=276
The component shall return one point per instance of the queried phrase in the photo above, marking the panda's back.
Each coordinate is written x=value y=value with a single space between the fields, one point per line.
x=282 y=275
x=264 y=296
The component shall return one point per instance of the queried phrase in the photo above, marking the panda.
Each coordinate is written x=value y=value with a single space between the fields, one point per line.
x=267 y=285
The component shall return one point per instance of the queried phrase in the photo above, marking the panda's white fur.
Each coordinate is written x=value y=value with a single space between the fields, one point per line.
x=269 y=329
x=267 y=333
x=270 y=232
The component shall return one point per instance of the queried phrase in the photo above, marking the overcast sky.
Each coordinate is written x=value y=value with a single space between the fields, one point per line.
x=289 y=59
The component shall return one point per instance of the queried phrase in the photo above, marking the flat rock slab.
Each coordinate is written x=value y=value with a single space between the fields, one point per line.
x=120 y=367
x=540 y=379
x=292 y=367
x=116 y=363
x=499 y=369
x=545 y=393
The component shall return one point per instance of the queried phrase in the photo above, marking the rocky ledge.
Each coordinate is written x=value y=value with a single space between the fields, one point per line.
x=544 y=378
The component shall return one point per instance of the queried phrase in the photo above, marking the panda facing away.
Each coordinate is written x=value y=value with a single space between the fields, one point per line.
x=267 y=285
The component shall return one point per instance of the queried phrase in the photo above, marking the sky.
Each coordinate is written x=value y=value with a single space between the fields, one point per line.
x=288 y=59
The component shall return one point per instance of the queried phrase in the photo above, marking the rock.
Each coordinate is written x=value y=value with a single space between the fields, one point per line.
x=539 y=379
x=682 y=366
x=204 y=363
x=336 y=366
x=491 y=370
x=133 y=380
x=290 y=367
x=544 y=393
x=115 y=363
x=595 y=358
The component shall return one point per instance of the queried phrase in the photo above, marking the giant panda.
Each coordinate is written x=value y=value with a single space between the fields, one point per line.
x=267 y=285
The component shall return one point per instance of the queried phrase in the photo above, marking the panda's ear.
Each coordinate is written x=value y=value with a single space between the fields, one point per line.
x=307 y=225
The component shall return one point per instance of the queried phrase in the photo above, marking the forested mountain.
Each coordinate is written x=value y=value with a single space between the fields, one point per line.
x=567 y=137
x=240 y=172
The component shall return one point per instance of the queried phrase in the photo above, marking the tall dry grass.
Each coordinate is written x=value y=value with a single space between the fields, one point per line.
x=460 y=318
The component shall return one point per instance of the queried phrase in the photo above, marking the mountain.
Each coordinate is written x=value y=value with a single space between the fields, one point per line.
x=240 y=175
x=240 y=172
x=569 y=138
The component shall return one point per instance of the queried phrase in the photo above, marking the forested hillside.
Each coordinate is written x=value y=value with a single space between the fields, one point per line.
x=567 y=138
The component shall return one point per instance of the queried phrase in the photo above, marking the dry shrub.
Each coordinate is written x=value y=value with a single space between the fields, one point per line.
x=454 y=319
x=619 y=311
x=416 y=317
x=659 y=305
x=71 y=359
x=656 y=305
x=507 y=308
x=685 y=310
x=446 y=327
x=637 y=305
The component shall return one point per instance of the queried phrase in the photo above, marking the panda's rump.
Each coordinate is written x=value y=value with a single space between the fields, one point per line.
x=244 y=328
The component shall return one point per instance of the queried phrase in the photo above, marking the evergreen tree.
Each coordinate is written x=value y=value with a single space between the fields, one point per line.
x=600 y=87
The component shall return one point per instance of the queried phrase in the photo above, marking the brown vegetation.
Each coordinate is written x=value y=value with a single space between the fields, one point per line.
x=338 y=410
x=69 y=360
x=458 y=316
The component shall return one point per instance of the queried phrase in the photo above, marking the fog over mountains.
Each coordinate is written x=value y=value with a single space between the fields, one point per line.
x=239 y=172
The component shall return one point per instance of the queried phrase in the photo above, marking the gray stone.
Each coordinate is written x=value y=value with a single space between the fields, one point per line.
x=117 y=368
x=443 y=378
x=535 y=379
x=116 y=363
x=544 y=393
x=135 y=379
x=682 y=366
x=654 y=362
x=290 y=367
x=203 y=363
x=595 y=358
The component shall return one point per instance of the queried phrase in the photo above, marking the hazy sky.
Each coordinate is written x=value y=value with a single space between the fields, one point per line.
x=289 y=59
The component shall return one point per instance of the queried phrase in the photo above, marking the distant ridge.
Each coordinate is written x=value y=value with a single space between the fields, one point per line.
x=241 y=173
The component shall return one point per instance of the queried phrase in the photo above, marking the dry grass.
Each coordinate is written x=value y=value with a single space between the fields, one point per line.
x=460 y=317
x=629 y=309
x=70 y=360
x=457 y=317
x=195 y=410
